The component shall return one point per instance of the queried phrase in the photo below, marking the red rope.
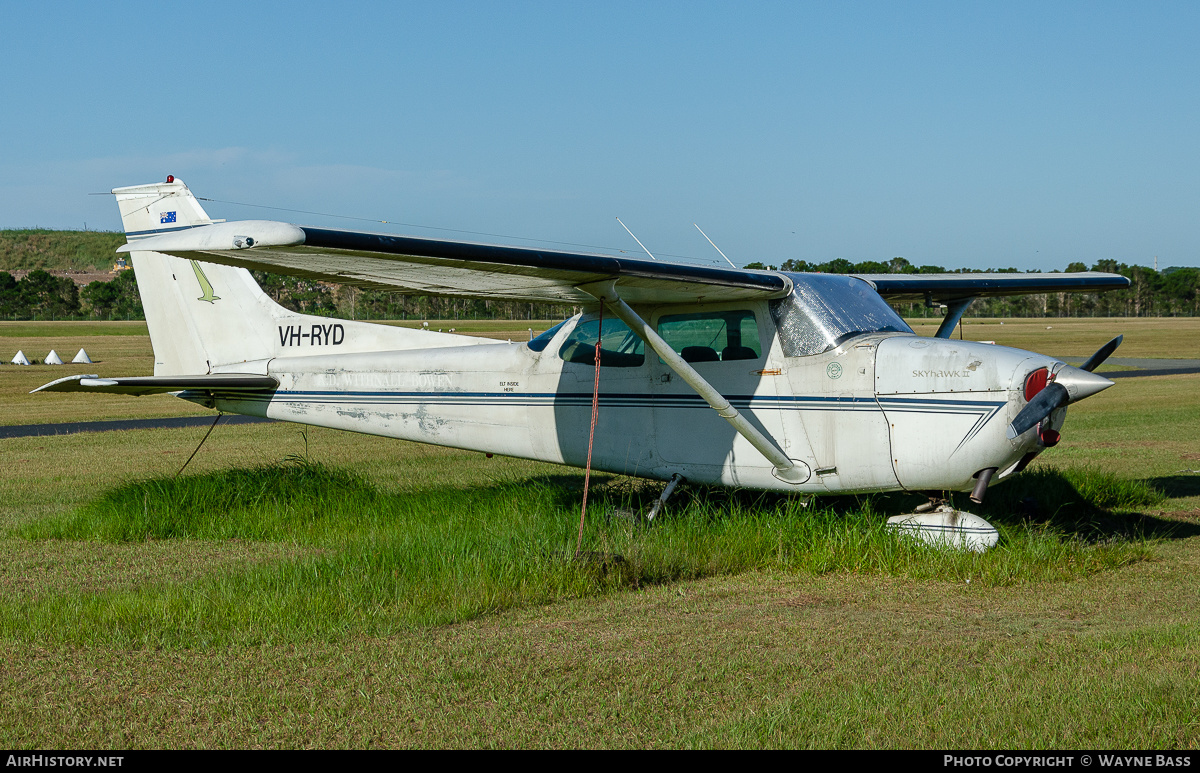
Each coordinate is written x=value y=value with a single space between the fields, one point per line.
x=587 y=475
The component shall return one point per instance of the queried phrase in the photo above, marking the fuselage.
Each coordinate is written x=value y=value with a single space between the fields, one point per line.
x=882 y=410
x=772 y=380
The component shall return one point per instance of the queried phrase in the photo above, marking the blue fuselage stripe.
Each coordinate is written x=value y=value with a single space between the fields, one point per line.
x=645 y=400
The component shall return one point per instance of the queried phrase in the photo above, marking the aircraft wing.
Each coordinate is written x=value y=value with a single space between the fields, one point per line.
x=947 y=288
x=449 y=268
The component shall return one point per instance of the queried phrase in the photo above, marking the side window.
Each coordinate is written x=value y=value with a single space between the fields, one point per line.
x=712 y=336
x=539 y=342
x=619 y=347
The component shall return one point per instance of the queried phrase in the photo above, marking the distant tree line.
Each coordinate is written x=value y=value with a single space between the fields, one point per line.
x=42 y=296
x=1173 y=292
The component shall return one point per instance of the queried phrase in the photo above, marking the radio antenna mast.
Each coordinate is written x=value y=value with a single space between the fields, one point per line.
x=715 y=247
x=639 y=241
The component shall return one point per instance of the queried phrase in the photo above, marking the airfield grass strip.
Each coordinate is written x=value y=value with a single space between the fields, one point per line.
x=370 y=562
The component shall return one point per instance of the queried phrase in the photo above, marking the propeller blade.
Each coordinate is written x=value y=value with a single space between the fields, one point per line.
x=1041 y=406
x=1102 y=354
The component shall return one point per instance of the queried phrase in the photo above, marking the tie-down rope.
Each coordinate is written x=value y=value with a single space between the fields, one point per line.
x=587 y=475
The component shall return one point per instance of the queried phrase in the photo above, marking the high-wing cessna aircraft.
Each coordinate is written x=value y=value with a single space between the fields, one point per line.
x=793 y=382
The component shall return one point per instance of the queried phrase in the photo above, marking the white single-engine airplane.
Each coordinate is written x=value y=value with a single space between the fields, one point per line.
x=805 y=383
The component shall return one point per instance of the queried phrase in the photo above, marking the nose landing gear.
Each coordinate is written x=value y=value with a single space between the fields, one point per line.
x=939 y=524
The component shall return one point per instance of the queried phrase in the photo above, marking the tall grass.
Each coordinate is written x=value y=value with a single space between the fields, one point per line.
x=372 y=562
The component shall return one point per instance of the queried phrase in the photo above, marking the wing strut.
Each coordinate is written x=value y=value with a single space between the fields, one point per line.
x=787 y=470
x=954 y=315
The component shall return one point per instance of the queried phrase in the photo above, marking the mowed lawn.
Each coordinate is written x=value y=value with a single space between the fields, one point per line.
x=862 y=653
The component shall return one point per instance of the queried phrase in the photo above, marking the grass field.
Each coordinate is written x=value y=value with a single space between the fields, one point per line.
x=385 y=594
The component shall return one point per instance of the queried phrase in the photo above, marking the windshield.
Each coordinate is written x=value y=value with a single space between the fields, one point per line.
x=826 y=309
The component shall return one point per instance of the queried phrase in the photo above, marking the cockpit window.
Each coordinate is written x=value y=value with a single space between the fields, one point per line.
x=826 y=309
x=619 y=347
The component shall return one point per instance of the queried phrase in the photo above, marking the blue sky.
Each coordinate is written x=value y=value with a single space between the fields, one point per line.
x=957 y=134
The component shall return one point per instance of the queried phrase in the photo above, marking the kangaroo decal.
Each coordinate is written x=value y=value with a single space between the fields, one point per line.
x=205 y=286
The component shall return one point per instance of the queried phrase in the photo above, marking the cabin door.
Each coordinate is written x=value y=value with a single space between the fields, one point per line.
x=729 y=346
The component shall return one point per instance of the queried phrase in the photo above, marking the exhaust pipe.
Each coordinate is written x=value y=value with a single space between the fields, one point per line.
x=982 y=479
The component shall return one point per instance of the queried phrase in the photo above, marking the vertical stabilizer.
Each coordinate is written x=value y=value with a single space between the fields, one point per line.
x=205 y=318
x=200 y=315
x=158 y=208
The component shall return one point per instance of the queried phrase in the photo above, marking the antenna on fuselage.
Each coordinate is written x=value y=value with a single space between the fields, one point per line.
x=639 y=241
x=715 y=247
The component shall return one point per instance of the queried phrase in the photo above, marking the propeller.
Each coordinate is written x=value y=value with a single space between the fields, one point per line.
x=1042 y=405
x=1069 y=385
x=1102 y=354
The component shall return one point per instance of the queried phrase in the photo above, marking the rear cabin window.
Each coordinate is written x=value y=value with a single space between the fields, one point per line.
x=539 y=342
x=619 y=347
x=712 y=336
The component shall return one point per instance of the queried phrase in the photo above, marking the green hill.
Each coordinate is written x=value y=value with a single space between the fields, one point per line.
x=65 y=250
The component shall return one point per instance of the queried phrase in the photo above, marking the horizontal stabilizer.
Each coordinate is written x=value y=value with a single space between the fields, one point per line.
x=151 y=385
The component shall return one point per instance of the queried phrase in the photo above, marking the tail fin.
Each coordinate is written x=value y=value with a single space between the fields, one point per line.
x=157 y=208
x=200 y=315
x=205 y=318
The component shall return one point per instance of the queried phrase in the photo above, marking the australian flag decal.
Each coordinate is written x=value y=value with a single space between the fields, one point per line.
x=166 y=217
